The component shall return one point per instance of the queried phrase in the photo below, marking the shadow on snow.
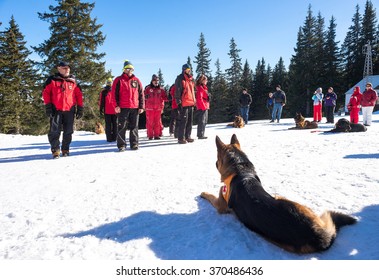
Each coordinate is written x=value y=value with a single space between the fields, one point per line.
x=206 y=235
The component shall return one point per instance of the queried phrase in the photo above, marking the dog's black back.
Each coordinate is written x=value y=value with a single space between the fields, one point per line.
x=280 y=221
x=343 y=125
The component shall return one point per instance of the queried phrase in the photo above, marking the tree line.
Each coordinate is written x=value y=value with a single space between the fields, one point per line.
x=318 y=61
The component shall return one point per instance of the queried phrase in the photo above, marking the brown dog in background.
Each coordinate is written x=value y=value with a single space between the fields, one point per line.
x=99 y=129
x=302 y=123
x=289 y=225
x=238 y=122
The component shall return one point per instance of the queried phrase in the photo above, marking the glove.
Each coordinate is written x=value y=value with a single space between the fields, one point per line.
x=49 y=110
x=101 y=113
x=79 y=112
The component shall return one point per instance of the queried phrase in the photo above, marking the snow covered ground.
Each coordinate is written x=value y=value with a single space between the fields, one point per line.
x=99 y=204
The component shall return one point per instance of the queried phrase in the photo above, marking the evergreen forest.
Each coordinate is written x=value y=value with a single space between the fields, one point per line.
x=318 y=61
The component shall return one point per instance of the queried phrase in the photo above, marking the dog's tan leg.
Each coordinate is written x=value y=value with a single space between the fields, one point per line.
x=218 y=202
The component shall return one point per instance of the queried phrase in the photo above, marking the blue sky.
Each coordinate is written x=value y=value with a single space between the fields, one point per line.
x=162 y=34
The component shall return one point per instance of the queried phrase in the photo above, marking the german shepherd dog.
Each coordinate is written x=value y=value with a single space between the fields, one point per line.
x=238 y=122
x=289 y=225
x=343 y=125
x=99 y=129
x=302 y=123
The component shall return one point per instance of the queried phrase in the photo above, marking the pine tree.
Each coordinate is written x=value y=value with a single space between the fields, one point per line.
x=75 y=37
x=20 y=104
x=352 y=52
x=333 y=73
x=369 y=31
x=233 y=77
x=202 y=59
x=218 y=111
x=369 y=24
x=319 y=56
x=247 y=77
x=279 y=76
x=301 y=70
x=260 y=90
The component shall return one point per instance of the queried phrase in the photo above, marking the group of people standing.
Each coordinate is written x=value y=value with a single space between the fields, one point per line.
x=366 y=101
x=124 y=99
x=358 y=100
x=274 y=104
x=184 y=95
x=121 y=102
x=329 y=100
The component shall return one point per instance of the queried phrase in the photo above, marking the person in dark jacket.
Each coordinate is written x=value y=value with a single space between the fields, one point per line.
x=63 y=99
x=330 y=105
x=245 y=101
x=279 y=102
x=186 y=100
x=174 y=116
x=129 y=103
x=270 y=104
x=108 y=111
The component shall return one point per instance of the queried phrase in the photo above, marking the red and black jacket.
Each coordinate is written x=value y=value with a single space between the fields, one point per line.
x=105 y=102
x=63 y=92
x=127 y=92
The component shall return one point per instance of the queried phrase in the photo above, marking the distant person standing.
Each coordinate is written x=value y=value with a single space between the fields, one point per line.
x=279 y=102
x=202 y=105
x=174 y=116
x=354 y=105
x=245 y=102
x=186 y=100
x=129 y=102
x=330 y=105
x=63 y=99
x=317 y=104
x=155 y=96
x=108 y=111
x=270 y=104
x=368 y=101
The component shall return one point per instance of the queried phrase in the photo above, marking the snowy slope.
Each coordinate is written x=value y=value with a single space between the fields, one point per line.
x=99 y=204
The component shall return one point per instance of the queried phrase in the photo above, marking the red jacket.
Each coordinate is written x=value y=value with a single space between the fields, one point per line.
x=127 y=92
x=202 y=98
x=174 y=105
x=62 y=92
x=369 y=98
x=185 y=90
x=155 y=97
x=105 y=101
x=355 y=99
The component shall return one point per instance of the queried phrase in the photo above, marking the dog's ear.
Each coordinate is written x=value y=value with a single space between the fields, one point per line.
x=220 y=145
x=234 y=141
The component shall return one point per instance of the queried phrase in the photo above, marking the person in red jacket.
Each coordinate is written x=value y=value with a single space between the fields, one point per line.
x=368 y=101
x=174 y=116
x=202 y=105
x=155 y=96
x=63 y=99
x=129 y=102
x=108 y=111
x=186 y=100
x=354 y=105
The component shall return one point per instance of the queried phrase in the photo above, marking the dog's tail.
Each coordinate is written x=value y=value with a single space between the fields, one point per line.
x=341 y=220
